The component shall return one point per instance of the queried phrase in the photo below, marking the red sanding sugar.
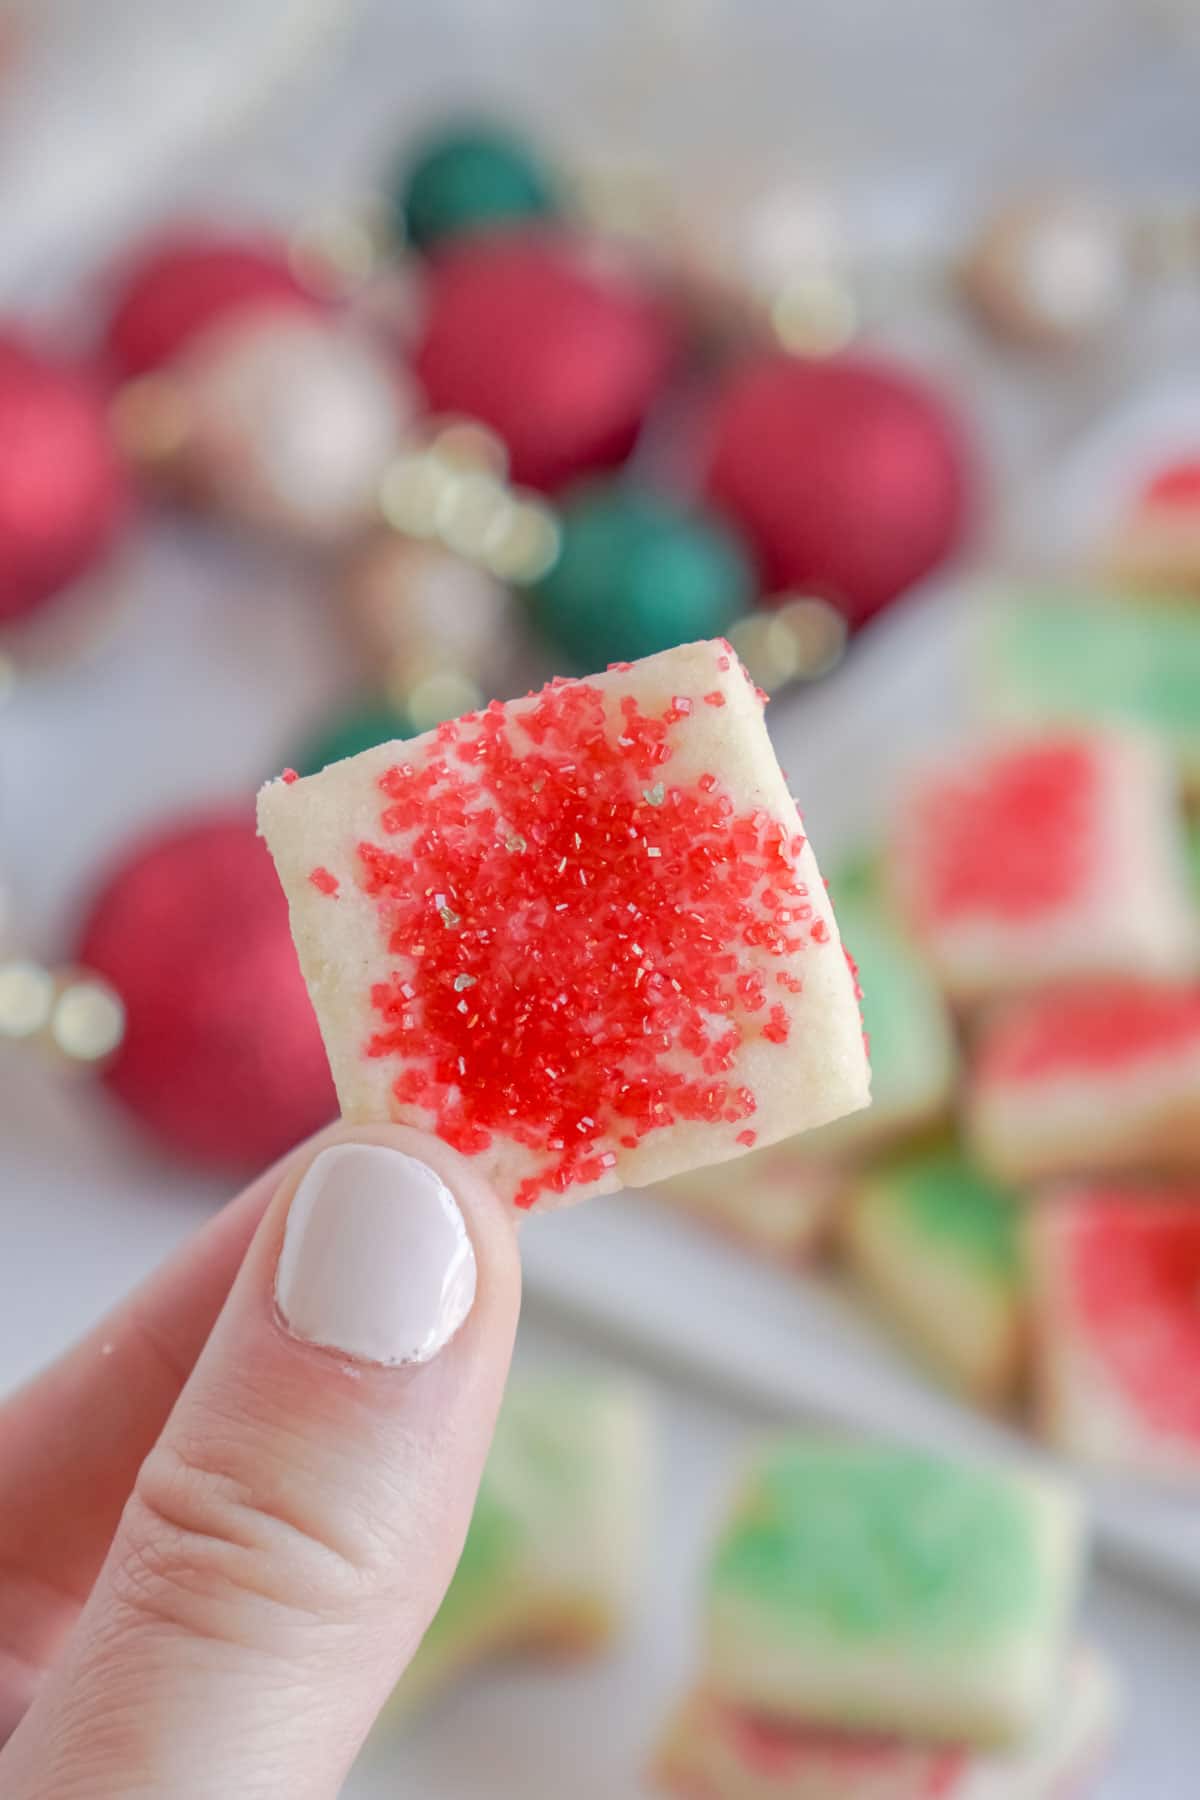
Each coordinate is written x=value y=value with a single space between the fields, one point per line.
x=1092 y=1031
x=324 y=881
x=1010 y=839
x=779 y=1751
x=520 y=1012
x=1134 y=1264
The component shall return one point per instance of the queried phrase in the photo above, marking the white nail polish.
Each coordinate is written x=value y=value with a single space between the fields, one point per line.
x=376 y=1261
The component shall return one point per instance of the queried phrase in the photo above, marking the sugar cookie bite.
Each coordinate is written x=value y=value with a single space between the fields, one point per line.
x=1116 y=1274
x=1104 y=1076
x=1049 y=858
x=875 y=1589
x=937 y=1246
x=714 y=1750
x=581 y=936
x=554 y=1553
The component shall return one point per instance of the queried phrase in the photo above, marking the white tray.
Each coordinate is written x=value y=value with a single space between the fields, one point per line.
x=798 y=1343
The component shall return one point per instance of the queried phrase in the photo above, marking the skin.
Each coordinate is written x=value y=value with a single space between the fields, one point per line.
x=220 y=1546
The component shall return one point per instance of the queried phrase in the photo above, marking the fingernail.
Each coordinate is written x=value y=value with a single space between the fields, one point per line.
x=376 y=1261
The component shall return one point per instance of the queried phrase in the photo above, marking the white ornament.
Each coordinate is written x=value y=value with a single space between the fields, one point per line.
x=291 y=421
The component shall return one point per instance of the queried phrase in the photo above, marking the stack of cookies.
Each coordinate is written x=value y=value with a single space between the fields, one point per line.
x=883 y=1625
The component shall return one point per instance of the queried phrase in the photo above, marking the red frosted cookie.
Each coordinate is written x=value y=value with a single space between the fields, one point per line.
x=713 y=1751
x=1116 y=1279
x=1044 y=859
x=1090 y=1078
x=1156 y=549
x=581 y=936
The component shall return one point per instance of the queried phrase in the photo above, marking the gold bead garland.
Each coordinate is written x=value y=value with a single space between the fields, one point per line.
x=68 y=1013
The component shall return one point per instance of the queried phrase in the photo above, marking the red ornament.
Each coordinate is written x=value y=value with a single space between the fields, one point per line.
x=563 y=357
x=849 y=477
x=221 y=1056
x=181 y=284
x=63 y=494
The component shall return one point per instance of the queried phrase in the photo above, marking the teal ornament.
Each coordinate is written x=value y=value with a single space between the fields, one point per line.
x=637 y=574
x=470 y=178
x=348 y=732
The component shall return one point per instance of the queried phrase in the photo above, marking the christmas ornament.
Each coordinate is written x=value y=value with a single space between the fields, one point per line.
x=771 y=264
x=849 y=477
x=435 y=631
x=63 y=492
x=288 y=422
x=1050 y=273
x=185 y=282
x=468 y=178
x=638 y=574
x=348 y=732
x=193 y=992
x=559 y=352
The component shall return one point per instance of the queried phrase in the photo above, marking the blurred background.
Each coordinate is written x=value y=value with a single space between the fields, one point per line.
x=359 y=361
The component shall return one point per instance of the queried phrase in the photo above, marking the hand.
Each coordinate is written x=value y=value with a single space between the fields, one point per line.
x=228 y=1515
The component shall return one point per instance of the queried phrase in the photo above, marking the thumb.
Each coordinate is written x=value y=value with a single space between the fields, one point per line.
x=292 y=1533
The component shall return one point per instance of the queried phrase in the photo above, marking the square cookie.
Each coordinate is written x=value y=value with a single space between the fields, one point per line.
x=938 y=1247
x=910 y=1032
x=712 y=1751
x=556 y=1541
x=1043 y=859
x=777 y=1202
x=581 y=936
x=877 y=1589
x=1053 y=657
x=1116 y=1275
x=1103 y=1077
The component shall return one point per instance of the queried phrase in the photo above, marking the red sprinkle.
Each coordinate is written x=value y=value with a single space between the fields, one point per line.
x=826 y=1760
x=289 y=775
x=749 y=1138
x=577 y=940
x=324 y=881
x=716 y=698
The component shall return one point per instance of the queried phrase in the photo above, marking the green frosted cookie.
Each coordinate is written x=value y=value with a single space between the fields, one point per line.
x=914 y=1056
x=1192 y=842
x=938 y=1247
x=883 y=1590
x=1056 y=656
x=552 y=1552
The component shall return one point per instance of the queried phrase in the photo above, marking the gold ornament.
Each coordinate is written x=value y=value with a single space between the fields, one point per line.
x=1050 y=273
x=291 y=421
x=434 y=630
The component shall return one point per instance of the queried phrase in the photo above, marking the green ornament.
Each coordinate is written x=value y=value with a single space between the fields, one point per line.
x=348 y=732
x=636 y=574
x=468 y=178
